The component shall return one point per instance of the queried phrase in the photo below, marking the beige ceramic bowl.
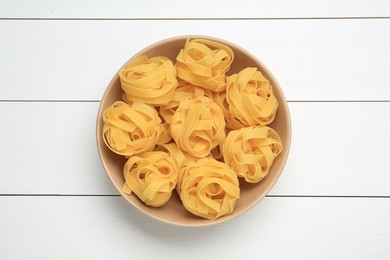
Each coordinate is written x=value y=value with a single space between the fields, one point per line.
x=173 y=212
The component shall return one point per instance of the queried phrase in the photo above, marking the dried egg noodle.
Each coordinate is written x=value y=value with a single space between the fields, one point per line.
x=131 y=128
x=208 y=188
x=174 y=152
x=220 y=99
x=183 y=91
x=198 y=126
x=250 y=98
x=151 y=81
x=152 y=176
x=202 y=66
x=250 y=151
x=165 y=136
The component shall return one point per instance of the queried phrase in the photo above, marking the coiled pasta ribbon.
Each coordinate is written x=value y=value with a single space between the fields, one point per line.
x=152 y=176
x=165 y=135
x=132 y=128
x=174 y=152
x=183 y=91
x=198 y=126
x=250 y=151
x=208 y=188
x=204 y=63
x=151 y=81
x=250 y=98
x=220 y=99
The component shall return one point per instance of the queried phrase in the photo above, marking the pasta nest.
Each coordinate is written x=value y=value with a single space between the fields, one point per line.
x=132 y=128
x=152 y=176
x=208 y=188
x=151 y=81
x=251 y=151
x=198 y=126
x=183 y=91
x=249 y=100
x=204 y=63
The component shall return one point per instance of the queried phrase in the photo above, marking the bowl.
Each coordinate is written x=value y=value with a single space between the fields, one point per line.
x=173 y=211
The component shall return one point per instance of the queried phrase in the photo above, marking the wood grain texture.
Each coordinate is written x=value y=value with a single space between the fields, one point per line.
x=311 y=59
x=194 y=9
x=338 y=149
x=277 y=228
x=50 y=148
x=331 y=201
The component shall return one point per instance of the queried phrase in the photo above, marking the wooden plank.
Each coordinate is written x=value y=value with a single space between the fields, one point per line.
x=194 y=9
x=312 y=59
x=338 y=149
x=50 y=148
x=108 y=228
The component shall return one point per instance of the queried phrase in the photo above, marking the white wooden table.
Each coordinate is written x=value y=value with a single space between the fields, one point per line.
x=332 y=59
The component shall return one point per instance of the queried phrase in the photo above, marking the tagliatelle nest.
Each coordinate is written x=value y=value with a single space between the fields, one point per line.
x=132 y=128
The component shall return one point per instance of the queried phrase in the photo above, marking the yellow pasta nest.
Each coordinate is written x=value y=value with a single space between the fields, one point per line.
x=185 y=146
x=152 y=176
x=250 y=151
x=183 y=91
x=204 y=63
x=198 y=126
x=250 y=99
x=208 y=188
x=132 y=128
x=151 y=81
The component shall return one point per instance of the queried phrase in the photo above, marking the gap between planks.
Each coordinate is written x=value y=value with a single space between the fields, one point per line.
x=193 y=18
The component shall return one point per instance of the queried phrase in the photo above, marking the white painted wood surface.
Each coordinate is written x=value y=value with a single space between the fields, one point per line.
x=312 y=59
x=333 y=198
x=278 y=228
x=194 y=9
x=333 y=152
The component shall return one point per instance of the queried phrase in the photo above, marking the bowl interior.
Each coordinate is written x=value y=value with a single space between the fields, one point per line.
x=173 y=211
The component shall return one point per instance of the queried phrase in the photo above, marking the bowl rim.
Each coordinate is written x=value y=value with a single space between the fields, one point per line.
x=286 y=147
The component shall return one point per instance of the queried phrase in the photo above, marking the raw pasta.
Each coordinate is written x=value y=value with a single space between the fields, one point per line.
x=165 y=136
x=183 y=91
x=198 y=126
x=208 y=188
x=174 y=152
x=204 y=63
x=151 y=81
x=250 y=98
x=131 y=128
x=152 y=176
x=250 y=151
